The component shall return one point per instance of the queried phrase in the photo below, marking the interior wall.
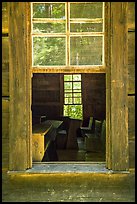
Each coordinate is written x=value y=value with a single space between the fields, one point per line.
x=47 y=96
x=131 y=82
x=94 y=96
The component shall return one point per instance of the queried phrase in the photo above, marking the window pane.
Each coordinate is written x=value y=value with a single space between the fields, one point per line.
x=48 y=28
x=77 y=77
x=86 y=10
x=68 y=85
x=67 y=77
x=68 y=100
x=68 y=94
x=76 y=85
x=86 y=27
x=48 y=51
x=77 y=100
x=77 y=94
x=74 y=111
x=86 y=50
x=48 y=10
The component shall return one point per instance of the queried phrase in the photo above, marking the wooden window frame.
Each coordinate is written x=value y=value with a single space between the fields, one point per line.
x=72 y=92
x=67 y=68
x=20 y=73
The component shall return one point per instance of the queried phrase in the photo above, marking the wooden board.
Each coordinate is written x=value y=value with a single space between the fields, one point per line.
x=131 y=15
x=4 y=17
x=118 y=148
x=19 y=79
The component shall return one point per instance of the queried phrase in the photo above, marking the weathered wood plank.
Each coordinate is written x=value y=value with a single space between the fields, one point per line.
x=5 y=79
x=119 y=106
x=4 y=17
x=131 y=48
x=131 y=117
x=5 y=132
x=132 y=153
x=131 y=15
x=131 y=79
x=5 y=49
x=19 y=132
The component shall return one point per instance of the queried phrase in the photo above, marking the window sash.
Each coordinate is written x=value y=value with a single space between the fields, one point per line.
x=68 y=21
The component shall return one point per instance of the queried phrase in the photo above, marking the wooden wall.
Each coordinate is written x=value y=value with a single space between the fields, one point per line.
x=94 y=96
x=5 y=84
x=5 y=87
x=131 y=82
x=47 y=96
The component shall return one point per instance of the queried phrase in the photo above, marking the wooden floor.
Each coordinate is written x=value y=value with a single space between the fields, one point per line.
x=79 y=154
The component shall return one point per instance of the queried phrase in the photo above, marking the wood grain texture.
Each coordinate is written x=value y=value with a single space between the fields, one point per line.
x=19 y=134
x=4 y=17
x=119 y=105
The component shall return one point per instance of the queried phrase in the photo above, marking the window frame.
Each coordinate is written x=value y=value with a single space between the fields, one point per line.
x=72 y=92
x=74 y=68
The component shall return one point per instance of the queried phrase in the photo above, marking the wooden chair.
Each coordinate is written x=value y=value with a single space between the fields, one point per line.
x=93 y=141
x=89 y=129
x=62 y=134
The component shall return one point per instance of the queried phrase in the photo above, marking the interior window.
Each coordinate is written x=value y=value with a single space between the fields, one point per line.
x=73 y=96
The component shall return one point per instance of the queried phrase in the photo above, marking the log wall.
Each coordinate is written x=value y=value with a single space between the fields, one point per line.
x=5 y=87
x=131 y=82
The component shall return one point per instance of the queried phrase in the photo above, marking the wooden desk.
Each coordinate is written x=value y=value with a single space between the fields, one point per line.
x=38 y=140
x=43 y=136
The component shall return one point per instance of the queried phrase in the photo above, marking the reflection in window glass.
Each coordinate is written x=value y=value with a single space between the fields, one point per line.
x=86 y=50
x=86 y=10
x=49 y=51
x=86 y=27
x=48 y=28
x=48 y=10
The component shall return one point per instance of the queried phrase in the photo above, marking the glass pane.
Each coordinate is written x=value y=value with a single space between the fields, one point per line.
x=68 y=94
x=77 y=100
x=74 y=111
x=67 y=77
x=68 y=100
x=48 y=51
x=76 y=85
x=48 y=10
x=77 y=77
x=77 y=94
x=86 y=27
x=48 y=28
x=86 y=10
x=86 y=50
x=68 y=85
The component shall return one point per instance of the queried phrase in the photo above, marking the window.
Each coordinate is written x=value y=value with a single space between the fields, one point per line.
x=67 y=34
x=72 y=96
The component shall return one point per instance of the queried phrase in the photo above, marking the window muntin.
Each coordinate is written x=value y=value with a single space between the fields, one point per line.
x=72 y=21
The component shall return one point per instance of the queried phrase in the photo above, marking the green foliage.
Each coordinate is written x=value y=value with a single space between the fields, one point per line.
x=73 y=111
